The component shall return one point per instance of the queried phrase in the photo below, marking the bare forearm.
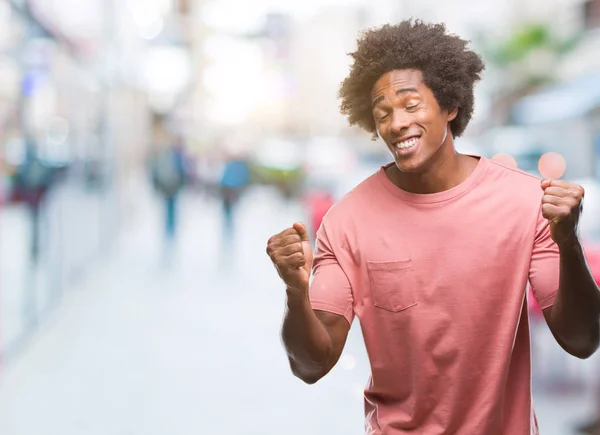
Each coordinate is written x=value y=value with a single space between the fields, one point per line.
x=576 y=310
x=306 y=340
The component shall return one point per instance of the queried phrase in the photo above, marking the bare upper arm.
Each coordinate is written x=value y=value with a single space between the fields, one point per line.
x=553 y=328
x=337 y=327
x=548 y=317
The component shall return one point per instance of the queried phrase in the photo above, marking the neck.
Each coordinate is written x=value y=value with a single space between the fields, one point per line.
x=446 y=170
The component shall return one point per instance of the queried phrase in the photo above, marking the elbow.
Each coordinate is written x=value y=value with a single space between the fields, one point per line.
x=580 y=340
x=585 y=349
x=584 y=352
x=309 y=377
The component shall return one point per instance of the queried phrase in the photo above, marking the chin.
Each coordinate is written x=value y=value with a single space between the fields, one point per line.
x=410 y=166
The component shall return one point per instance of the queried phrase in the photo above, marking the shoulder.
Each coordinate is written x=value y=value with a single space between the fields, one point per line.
x=512 y=182
x=354 y=203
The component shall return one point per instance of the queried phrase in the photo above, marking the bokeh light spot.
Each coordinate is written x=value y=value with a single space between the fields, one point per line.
x=552 y=166
x=506 y=160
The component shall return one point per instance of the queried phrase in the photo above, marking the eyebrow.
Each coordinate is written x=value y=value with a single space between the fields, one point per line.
x=398 y=92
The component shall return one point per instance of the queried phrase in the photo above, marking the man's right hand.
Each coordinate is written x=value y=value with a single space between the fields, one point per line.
x=291 y=253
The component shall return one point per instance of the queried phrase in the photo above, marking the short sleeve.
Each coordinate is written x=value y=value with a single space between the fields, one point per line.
x=330 y=289
x=544 y=270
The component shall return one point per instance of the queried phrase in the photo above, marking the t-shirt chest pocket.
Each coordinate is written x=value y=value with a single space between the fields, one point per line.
x=392 y=284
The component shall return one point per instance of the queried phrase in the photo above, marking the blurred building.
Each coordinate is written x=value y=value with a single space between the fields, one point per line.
x=79 y=83
x=319 y=61
x=562 y=115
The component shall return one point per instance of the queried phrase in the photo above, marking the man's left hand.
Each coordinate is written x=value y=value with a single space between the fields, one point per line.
x=562 y=205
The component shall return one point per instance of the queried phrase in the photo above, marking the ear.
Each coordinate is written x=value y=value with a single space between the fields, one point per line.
x=452 y=114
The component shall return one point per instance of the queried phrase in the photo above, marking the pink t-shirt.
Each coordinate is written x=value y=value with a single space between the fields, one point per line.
x=438 y=282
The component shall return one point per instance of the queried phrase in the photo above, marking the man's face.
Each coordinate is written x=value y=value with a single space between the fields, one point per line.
x=409 y=119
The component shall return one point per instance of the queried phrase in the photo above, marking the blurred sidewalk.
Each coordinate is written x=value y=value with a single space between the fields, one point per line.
x=72 y=223
x=189 y=346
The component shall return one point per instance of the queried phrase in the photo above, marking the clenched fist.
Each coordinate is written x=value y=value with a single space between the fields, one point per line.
x=291 y=253
x=562 y=205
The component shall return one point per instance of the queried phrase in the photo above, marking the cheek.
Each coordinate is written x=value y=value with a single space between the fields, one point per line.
x=435 y=124
x=382 y=131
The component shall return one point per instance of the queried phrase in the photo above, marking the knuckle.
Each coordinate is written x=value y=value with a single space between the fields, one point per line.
x=292 y=247
x=298 y=257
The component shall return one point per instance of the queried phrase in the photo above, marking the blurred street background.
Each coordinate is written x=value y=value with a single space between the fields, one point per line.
x=149 y=149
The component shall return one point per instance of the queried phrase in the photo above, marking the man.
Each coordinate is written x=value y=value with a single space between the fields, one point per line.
x=433 y=252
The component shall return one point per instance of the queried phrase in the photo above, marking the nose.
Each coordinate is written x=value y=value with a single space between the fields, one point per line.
x=400 y=121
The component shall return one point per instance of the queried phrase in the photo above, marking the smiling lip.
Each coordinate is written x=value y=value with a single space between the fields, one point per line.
x=406 y=146
x=405 y=138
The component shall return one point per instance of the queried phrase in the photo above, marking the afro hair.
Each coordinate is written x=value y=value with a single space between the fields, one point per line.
x=449 y=69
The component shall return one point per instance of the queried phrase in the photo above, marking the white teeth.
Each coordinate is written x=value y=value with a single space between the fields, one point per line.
x=407 y=143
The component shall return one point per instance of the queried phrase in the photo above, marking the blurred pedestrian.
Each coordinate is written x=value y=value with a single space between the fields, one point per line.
x=169 y=177
x=31 y=183
x=234 y=180
x=433 y=253
x=318 y=202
